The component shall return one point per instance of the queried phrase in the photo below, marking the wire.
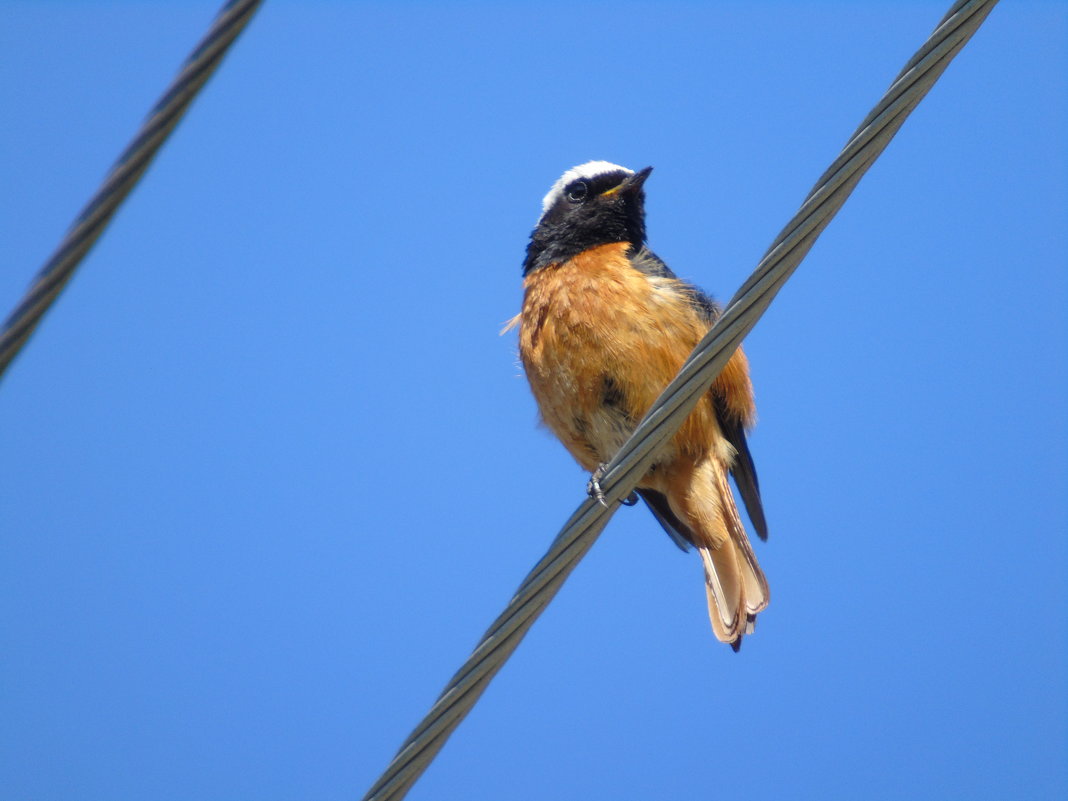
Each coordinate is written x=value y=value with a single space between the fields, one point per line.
x=124 y=175
x=680 y=396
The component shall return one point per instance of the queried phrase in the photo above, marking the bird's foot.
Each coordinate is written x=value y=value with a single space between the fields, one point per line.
x=593 y=488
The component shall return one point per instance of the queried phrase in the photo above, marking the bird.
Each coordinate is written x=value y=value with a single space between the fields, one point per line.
x=604 y=327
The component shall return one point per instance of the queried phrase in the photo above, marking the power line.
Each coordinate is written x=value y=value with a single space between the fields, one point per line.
x=90 y=223
x=680 y=396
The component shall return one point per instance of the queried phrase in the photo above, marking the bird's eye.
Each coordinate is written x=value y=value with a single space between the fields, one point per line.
x=576 y=192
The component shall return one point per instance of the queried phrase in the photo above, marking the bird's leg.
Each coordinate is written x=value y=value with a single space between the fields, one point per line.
x=593 y=488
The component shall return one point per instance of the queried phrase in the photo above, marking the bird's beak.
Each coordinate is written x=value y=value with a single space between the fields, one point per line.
x=631 y=185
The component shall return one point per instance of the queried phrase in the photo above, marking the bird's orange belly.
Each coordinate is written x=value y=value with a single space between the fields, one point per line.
x=599 y=341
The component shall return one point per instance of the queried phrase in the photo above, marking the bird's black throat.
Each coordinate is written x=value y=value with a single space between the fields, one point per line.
x=565 y=231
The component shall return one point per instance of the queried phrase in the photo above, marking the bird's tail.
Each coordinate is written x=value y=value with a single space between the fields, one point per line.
x=736 y=587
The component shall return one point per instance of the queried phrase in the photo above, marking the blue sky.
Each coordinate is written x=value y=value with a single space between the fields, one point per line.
x=267 y=470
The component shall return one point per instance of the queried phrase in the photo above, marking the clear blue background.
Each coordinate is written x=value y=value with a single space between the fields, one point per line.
x=267 y=470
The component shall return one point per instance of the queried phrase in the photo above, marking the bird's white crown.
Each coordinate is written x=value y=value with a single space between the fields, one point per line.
x=586 y=171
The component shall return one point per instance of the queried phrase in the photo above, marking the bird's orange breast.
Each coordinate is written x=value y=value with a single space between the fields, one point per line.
x=600 y=340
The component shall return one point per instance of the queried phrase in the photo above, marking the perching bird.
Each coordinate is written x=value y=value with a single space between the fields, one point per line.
x=605 y=326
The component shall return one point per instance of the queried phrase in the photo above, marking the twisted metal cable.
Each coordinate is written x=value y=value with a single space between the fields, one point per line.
x=680 y=396
x=92 y=220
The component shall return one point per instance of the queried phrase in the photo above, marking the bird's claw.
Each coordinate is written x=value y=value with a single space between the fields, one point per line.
x=593 y=488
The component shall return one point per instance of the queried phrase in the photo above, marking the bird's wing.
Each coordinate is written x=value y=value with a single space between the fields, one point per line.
x=649 y=263
x=743 y=470
x=733 y=427
x=730 y=422
x=658 y=504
